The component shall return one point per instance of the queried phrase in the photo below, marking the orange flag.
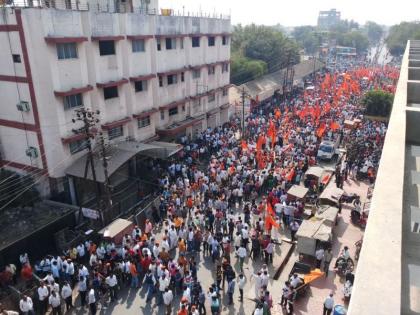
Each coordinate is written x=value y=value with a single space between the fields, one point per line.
x=244 y=145
x=270 y=222
x=260 y=142
x=334 y=126
x=312 y=276
x=277 y=113
x=270 y=210
x=290 y=175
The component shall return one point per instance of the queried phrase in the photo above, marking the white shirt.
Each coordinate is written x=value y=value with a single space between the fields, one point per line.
x=54 y=300
x=241 y=283
x=241 y=252
x=66 y=291
x=168 y=297
x=294 y=282
x=26 y=306
x=163 y=283
x=319 y=254
x=258 y=311
x=111 y=281
x=91 y=297
x=329 y=303
x=43 y=293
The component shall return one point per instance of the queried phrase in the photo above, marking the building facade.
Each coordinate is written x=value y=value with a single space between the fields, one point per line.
x=150 y=76
x=326 y=19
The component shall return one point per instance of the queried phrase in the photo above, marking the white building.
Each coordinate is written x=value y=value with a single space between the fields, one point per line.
x=151 y=76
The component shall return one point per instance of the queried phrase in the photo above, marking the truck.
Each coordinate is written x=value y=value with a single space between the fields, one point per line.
x=328 y=149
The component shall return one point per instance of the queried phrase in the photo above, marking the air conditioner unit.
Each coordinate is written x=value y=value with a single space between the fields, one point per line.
x=23 y=106
x=32 y=152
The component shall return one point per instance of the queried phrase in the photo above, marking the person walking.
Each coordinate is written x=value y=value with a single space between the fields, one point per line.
x=294 y=227
x=328 y=305
x=319 y=255
x=55 y=302
x=327 y=261
x=241 y=286
x=92 y=301
x=26 y=305
x=82 y=291
x=66 y=294
x=285 y=294
x=231 y=291
x=241 y=252
x=168 y=297
x=112 y=283
x=43 y=298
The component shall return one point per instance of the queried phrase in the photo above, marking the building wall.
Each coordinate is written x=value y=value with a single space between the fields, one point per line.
x=51 y=75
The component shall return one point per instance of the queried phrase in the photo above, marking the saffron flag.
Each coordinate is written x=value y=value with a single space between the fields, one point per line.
x=334 y=126
x=312 y=276
x=277 y=114
x=290 y=175
x=270 y=222
x=270 y=210
x=244 y=145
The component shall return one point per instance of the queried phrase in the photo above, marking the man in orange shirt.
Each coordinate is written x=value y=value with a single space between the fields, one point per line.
x=134 y=275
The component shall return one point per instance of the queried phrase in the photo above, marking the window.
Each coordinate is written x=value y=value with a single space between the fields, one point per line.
x=72 y=101
x=115 y=132
x=172 y=79
x=110 y=92
x=181 y=43
x=16 y=58
x=212 y=70
x=137 y=45
x=183 y=108
x=211 y=40
x=196 y=74
x=160 y=81
x=162 y=115
x=159 y=46
x=106 y=47
x=182 y=77
x=67 y=51
x=196 y=103
x=173 y=111
x=196 y=41
x=77 y=146
x=143 y=122
x=224 y=40
x=225 y=92
x=225 y=67
x=140 y=86
x=211 y=98
x=170 y=43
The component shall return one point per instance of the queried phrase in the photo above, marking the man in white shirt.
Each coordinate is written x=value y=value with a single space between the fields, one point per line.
x=163 y=284
x=295 y=281
x=168 y=296
x=112 y=283
x=241 y=252
x=319 y=255
x=55 y=302
x=328 y=305
x=241 y=286
x=26 y=306
x=92 y=301
x=66 y=294
x=43 y=298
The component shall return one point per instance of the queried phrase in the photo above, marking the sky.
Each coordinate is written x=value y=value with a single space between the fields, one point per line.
x=301 y=12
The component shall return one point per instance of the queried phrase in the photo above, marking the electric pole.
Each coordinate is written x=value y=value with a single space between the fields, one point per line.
x=107 y=183
x=89 y=120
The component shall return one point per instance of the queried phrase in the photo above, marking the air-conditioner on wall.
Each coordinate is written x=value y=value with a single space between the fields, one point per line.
x=23 y=106
x=32 y=152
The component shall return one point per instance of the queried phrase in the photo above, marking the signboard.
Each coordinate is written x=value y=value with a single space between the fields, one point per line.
x=90 y=213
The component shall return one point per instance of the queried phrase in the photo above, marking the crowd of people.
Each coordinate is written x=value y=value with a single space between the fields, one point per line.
x=224 y=198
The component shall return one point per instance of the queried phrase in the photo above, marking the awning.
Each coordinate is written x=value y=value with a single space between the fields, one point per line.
x=315 y=171
x=298 y=191
x=120 y=154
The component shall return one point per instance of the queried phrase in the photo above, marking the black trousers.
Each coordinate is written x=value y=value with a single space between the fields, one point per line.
x=327 y=311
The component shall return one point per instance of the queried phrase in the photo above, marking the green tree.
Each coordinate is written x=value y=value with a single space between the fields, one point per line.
x=308 y=38
x=354 y=39
x=17 y=190
x=378 y=103
x=399 y=35
x=374 y=32
x=244 y=69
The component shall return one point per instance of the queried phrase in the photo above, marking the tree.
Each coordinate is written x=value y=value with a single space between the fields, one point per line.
x=374 y=32
x=308 y=38
x=244 y=69
x=399 y=35
x=354 y=39
x=17 y=190
x=378 y=103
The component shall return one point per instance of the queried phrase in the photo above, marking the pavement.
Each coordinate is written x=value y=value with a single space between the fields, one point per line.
x=133 y=301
